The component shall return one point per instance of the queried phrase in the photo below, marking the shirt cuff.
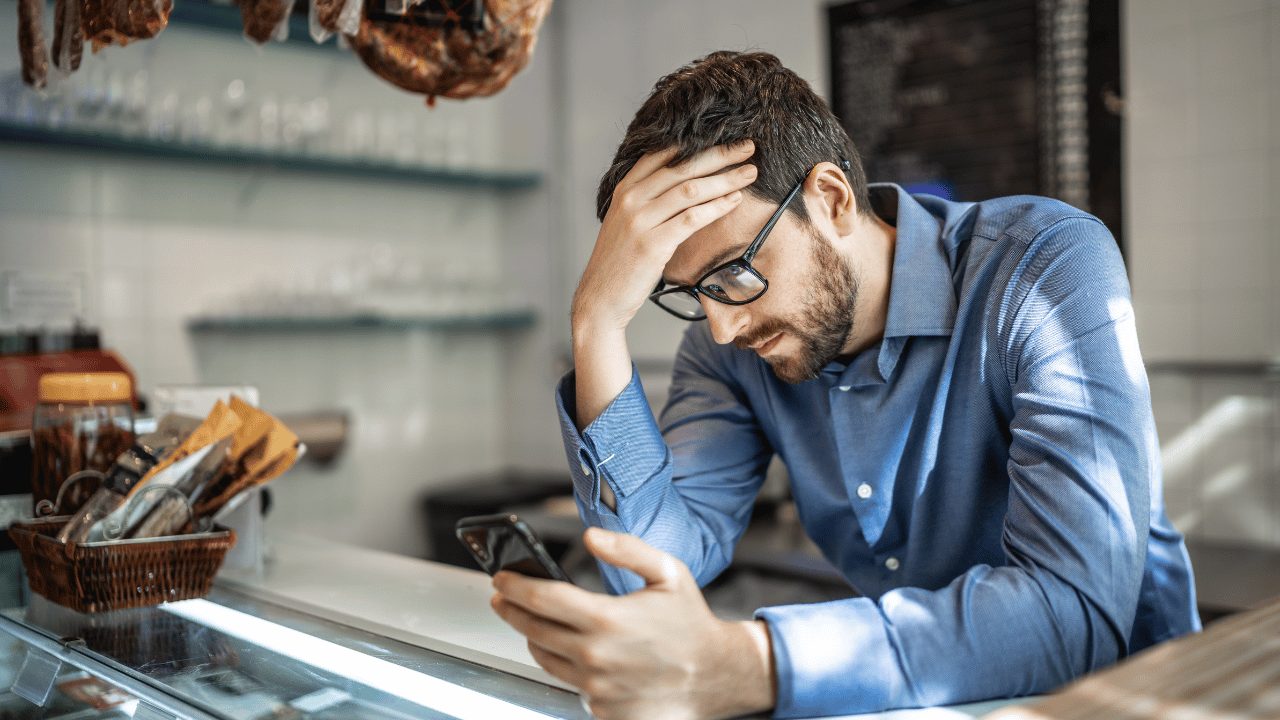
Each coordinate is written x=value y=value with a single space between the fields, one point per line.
x=623 y=445
x=832 y=658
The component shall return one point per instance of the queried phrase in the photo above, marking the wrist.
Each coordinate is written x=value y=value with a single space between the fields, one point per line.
x=749 y=670
x=589 y=330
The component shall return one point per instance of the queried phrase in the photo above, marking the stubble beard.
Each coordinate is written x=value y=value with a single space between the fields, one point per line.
x=824 y=322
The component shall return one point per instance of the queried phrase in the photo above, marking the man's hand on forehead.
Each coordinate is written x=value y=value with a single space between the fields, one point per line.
x=652 y=176
x=654 y=209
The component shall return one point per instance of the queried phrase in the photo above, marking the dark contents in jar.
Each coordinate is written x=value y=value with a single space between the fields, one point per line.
x=62 y=450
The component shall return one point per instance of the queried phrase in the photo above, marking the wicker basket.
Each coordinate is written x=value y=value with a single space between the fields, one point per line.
x=118 y=574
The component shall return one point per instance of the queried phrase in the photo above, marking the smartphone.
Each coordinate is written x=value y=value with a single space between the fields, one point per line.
x=505 y=542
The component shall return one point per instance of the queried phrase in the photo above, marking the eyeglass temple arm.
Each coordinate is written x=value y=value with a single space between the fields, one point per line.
x=750 y=254
x=754 y=248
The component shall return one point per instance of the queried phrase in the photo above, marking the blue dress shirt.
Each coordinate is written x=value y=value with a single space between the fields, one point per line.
x=987 y=476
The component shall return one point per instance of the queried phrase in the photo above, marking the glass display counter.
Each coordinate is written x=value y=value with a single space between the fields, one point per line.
x=236 y=657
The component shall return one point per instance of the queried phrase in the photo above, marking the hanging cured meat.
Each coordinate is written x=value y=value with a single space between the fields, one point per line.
x=265 y=19
x=35 y=55
x=68 y=38
x=448 y=59
x=118 y=22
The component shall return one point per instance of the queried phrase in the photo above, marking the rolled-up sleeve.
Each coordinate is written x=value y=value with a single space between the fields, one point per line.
x=1075 y=529
x=686 y=489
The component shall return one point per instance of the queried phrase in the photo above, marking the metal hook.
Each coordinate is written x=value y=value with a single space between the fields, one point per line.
x=44 y=507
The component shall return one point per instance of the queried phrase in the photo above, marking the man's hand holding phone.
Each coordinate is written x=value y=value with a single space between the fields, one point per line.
x=658 y=652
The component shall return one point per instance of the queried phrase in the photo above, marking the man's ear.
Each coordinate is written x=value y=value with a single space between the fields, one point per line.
x=833 y=197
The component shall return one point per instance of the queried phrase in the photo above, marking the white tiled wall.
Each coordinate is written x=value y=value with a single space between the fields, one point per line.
x=1202 y=160
x=160 y=241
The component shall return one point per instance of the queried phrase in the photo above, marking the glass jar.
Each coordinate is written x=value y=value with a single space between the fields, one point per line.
x=83 y=421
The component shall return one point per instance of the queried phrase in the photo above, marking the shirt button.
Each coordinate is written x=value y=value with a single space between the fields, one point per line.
x=845 y=388
x=892 y=564
x=864 y=491
x=586 y=469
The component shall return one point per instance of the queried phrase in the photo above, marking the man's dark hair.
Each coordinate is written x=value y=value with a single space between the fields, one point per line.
x=730 y=96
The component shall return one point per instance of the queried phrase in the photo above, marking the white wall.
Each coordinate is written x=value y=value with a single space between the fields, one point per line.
x=1202 y=161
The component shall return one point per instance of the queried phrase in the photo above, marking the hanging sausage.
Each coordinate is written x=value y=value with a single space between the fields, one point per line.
x=68 y=37
x=35 y=55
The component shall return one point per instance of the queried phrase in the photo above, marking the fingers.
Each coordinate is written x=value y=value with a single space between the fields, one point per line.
x=550 y=635
x=651 y=177
x=551 y=599
x=696 y=191
x=555 y=665
x=689 y=221
x=646 y=166
x=632 y=553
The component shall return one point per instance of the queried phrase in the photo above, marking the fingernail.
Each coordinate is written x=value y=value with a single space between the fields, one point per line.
x=744 y=144
x=735 y=196
x=748 y=170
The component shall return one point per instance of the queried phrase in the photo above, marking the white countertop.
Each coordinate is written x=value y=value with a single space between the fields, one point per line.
x=431 y=605
x=427 y=604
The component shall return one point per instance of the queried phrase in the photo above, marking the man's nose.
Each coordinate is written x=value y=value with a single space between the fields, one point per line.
x=727 y=321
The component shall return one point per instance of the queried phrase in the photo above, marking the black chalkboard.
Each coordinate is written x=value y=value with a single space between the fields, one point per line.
x=976 y=99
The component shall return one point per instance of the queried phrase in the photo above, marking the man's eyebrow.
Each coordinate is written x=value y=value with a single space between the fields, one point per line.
x=725 y=256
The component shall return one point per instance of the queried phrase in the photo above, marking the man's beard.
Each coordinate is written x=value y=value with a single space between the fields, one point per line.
x=824 y=322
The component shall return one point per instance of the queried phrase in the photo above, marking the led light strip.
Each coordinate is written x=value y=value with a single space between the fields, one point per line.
x=429 y=692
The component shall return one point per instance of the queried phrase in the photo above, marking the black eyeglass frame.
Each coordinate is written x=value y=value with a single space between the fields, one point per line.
x=744 y=260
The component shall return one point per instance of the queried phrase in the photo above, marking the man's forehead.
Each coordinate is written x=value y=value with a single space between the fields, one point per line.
x=730 y=234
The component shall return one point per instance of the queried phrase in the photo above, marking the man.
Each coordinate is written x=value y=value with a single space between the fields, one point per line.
x=956 y=390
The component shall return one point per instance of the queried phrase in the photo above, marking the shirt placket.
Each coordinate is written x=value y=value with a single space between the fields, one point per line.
x=861 y=455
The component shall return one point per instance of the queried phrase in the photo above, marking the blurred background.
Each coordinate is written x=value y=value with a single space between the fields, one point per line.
x=219 y=213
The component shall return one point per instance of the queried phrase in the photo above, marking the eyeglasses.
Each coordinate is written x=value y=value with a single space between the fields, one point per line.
x=733 y=283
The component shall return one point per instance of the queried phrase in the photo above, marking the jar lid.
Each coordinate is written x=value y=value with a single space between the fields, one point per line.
x=85 y=387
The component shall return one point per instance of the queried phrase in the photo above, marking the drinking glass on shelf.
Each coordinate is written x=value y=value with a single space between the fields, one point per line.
x=291 y=124
x=58 y=106
x=163 y=118
x=232 y=126
x=359 y=135
x=197 y=121
x=11 y=89
x=315 y=124
x=135 y=102
x=91 y=87
x=268 y=123
x=114 y=95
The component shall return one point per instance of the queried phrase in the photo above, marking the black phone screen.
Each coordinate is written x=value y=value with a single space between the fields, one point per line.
x=514 y=554
x=506 y=543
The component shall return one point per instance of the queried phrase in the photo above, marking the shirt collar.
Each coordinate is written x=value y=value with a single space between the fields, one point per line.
x=922 y=299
